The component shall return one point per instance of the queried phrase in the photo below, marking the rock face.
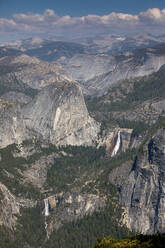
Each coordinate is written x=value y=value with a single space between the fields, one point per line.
x=40 y=100
x=37 y=173
x=96 y=73
x=11 y=124
x=72 y=206
x=119 y=140
x=148 y=112
x=58 y=113
x=32 y=72
x=10 y=207
x=142 y=188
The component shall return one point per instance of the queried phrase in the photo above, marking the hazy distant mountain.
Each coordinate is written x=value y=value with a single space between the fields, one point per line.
x=6 y=51
x=116 y=43
x=53 y=49
x=98 y=72
x=47 y=49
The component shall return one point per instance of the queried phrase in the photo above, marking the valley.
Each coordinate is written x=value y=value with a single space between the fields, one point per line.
x=82 y=141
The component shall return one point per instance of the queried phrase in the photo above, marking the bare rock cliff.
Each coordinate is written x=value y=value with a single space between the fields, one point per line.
x=39 y=99
x=142 y=187
x=58 y=113
x=98 y=72
x=10 y=207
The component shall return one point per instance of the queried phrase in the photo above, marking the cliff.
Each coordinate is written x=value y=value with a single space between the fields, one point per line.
x=141 y=187
x=97 y=73
x=38 y=99
x=58 y=114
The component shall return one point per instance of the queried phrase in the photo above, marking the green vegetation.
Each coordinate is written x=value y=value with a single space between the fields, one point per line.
x=80 y=234
x=73 y=167
x=138 y=241
x=128 y=95
x=11 y=166
x=79 y=168
x=85 y=232
x=71 y=163
x=84 y=169
x=78 y=164
x=30 y=231
x=70 y=172
x=6 y=237
x=10 y=176
x=150 y=132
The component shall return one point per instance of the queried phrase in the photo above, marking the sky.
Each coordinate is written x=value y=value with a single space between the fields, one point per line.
x=20 y=19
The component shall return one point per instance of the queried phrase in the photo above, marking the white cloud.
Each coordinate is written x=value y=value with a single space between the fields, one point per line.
x=49 y=23
x=154 y=15
x=49 y=12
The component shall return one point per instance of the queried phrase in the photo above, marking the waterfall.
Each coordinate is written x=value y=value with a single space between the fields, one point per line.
x=46 y=213
x=46 y=202
x=117 y=146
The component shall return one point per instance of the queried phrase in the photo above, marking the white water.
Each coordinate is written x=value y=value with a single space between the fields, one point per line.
x=46 y=202
x=117 y=146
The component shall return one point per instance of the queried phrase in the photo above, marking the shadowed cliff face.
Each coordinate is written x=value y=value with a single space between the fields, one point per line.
x=143 y=193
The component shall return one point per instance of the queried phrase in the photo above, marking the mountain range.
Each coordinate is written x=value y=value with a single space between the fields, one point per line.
x=82 y=140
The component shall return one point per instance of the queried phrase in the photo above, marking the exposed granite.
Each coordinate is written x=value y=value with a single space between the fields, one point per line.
x=128 y=140
x=68 y=207
x=98 y=72
x=142 y=187
x=10 y=207
x=59 y=114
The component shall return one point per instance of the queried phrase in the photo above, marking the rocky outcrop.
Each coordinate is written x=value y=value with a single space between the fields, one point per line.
x=11 y=124
x=58 y=114
x=16 y=97
x=40 y=100
x=36 y=174
x=10 y=207
x=68 y=207
x=142 y=187
x=119 y=140
x=147 y=112
x=98 y=72
x=32 y=72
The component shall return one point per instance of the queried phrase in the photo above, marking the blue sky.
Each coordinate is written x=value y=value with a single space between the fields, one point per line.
x=78 y=7
x=21 y=19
